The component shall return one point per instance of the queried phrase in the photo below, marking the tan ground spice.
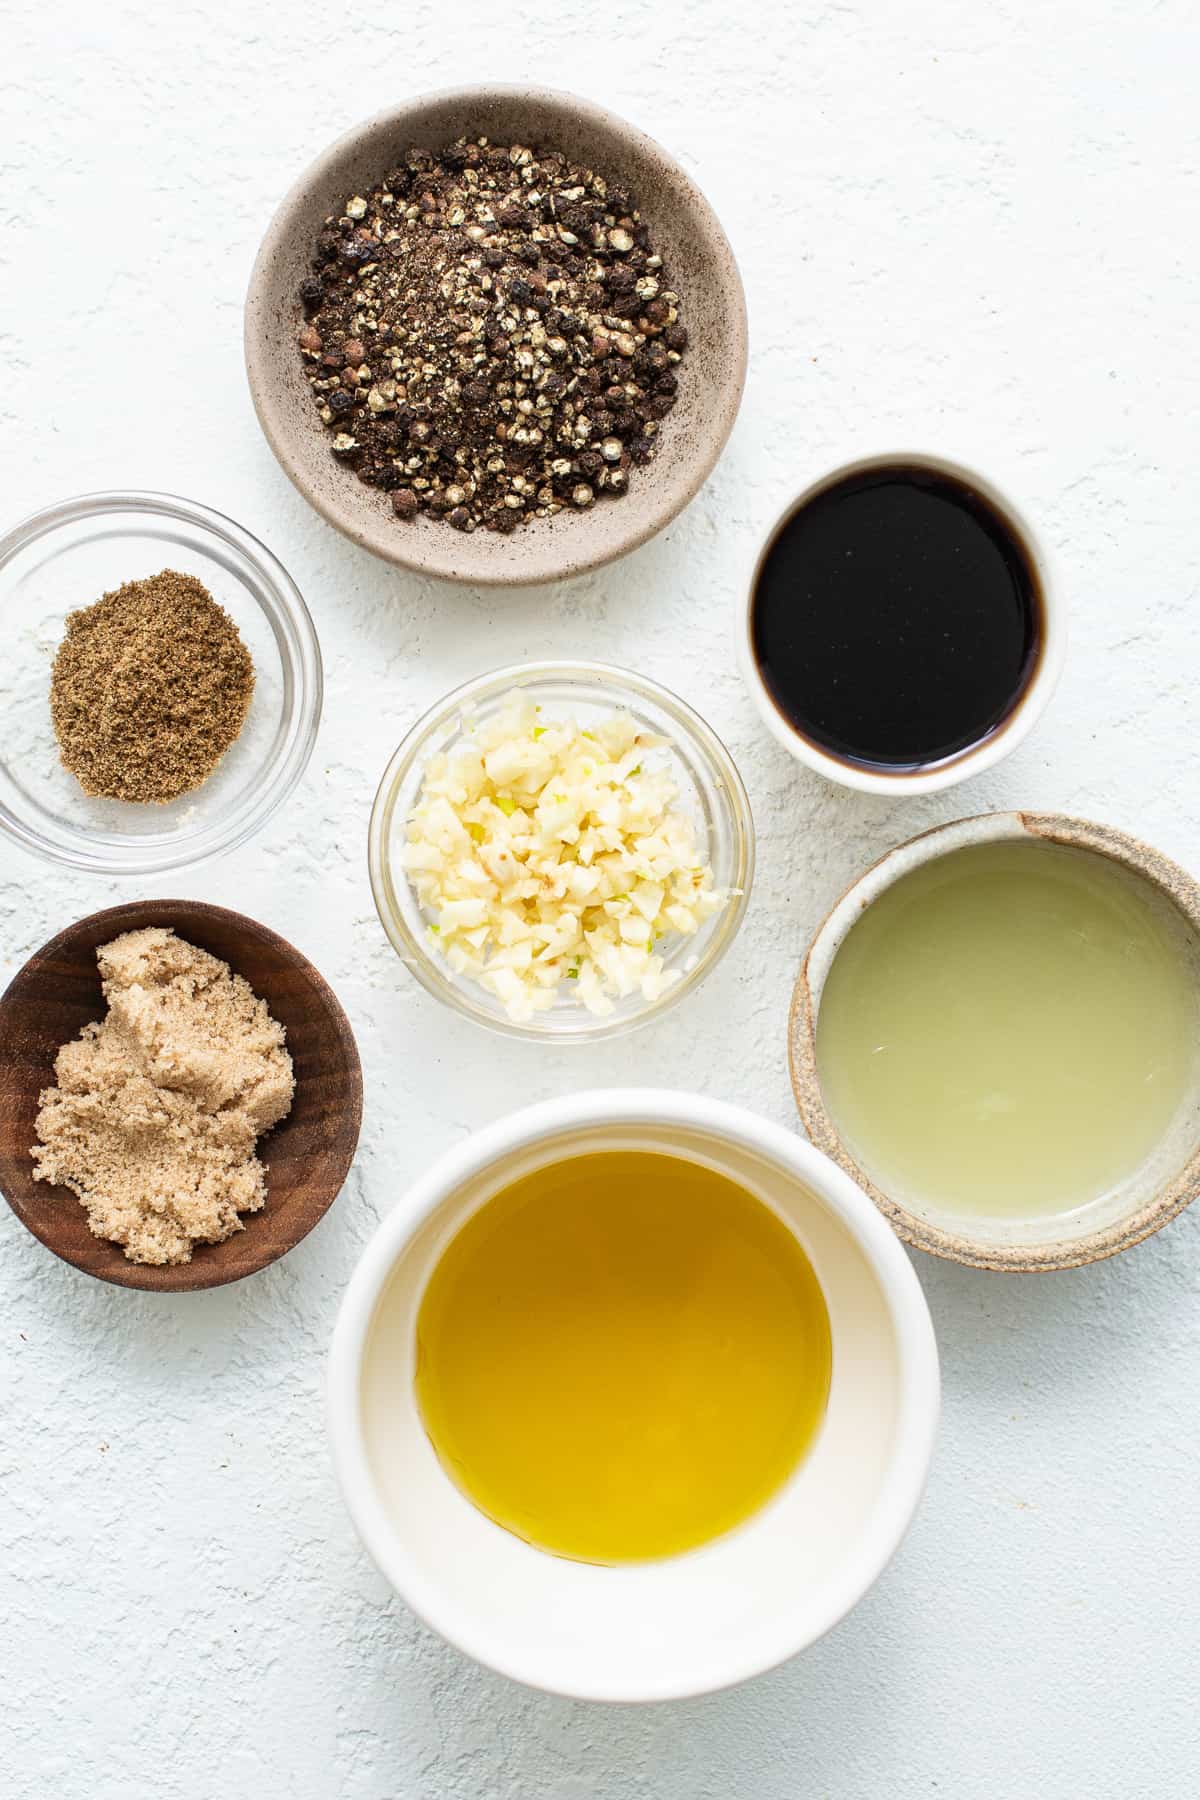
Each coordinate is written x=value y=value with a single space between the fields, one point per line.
x=158 y=1106
x=150 y=687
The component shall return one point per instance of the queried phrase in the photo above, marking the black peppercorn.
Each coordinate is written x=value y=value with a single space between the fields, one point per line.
x=465 y=383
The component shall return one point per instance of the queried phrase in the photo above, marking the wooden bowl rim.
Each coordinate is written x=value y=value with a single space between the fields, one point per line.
x=197 y=1274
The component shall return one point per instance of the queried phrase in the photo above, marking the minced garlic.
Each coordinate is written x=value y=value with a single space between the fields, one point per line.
x=543 y=853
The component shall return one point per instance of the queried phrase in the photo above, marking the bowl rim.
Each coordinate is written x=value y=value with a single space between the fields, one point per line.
x=917 y=1361
x=1140 y=859
x=1030 y=705
x=493 y=683
x=155 y=1278
x=293 y=633
x=360 y=527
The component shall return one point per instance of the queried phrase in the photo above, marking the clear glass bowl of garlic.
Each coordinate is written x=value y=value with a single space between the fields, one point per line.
x=561 y=850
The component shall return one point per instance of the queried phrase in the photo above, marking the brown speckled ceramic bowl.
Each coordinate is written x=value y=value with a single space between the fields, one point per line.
x=1169 y=1178
x=695 y=251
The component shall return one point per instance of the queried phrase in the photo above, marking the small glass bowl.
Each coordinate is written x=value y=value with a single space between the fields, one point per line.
x=66 y=557
x=710 y=791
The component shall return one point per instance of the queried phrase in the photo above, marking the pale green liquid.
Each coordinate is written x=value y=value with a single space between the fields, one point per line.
x=1008 y=1031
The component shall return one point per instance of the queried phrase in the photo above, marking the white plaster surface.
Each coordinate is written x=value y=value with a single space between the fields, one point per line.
x=964 y=227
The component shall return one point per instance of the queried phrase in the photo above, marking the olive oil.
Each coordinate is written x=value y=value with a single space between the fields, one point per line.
x=622 y=1356
x=1007 y=1031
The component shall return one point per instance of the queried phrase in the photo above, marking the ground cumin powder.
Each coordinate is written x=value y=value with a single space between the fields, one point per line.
x=158 y=1106
x=150 y=687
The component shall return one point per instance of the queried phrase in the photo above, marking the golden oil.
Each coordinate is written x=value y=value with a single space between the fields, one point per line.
x=622 y=1356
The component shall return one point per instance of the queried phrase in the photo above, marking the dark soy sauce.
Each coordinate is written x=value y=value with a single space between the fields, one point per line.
x=896 y=618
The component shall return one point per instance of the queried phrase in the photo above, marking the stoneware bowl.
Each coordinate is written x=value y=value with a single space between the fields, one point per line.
x=686 y=1624
x=308 y=1154
x=927 y=778
x=1159 y=1189
x=695 y=252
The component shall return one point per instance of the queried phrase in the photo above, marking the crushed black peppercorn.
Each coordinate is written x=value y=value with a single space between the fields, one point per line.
x=490 y=336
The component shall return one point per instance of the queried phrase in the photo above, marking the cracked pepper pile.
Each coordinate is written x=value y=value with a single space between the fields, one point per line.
x=490 y=336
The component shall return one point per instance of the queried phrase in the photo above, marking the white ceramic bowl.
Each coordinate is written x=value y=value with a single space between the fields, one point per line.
x=976 y=757
x=687 y=1624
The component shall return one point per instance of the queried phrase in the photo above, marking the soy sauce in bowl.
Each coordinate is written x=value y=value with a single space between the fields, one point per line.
x=897 y=618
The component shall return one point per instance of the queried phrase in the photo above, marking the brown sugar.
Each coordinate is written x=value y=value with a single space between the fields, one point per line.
x=158 y=1106
x=150 y=687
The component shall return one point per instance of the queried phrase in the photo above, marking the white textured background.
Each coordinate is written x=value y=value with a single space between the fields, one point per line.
x=963 y=227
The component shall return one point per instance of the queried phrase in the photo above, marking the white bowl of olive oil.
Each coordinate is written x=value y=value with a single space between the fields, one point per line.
x=996 y=1032
x=633 y=1396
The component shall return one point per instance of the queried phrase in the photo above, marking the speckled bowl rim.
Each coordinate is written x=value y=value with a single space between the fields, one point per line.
x=1173 y=882
x=430 y=557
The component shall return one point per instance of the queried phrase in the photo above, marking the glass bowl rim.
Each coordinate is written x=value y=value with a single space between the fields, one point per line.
x=698 y=741
x=299 y=654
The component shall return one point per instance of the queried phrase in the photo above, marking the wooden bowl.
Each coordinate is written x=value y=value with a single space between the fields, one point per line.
x=308 y=1154
x=697 y=256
